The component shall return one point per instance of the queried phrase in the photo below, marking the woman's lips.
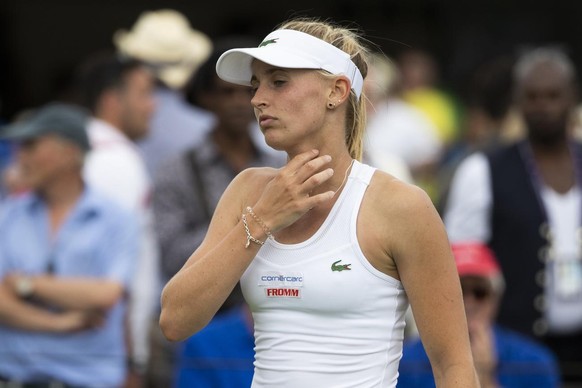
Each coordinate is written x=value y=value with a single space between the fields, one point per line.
x=265 y=120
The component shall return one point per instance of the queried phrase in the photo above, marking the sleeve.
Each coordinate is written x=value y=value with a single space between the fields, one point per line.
x=467 y=212
x=180 y=222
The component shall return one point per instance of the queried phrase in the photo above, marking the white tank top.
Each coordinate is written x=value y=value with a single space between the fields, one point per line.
x=324 y=316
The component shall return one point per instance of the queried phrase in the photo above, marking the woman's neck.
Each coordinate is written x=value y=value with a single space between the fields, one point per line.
x=341 y=163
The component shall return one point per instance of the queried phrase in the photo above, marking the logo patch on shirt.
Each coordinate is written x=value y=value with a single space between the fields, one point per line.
x=273 y=278
x=340 y=267
x=283 y=292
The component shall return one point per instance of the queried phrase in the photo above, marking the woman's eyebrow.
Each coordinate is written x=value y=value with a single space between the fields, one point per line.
x=270 y=72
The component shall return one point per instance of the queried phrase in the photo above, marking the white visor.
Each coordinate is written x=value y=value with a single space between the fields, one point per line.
x=289 y=49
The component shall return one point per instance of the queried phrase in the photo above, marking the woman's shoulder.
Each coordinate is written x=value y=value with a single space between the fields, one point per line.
x=394 y=195
x=256 y=174
x=396 y=204
x=252 y=180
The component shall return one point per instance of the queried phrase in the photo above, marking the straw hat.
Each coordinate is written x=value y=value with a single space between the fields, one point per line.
x=165 y=39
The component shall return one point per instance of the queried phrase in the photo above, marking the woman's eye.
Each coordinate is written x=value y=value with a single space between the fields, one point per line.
x=278 y=82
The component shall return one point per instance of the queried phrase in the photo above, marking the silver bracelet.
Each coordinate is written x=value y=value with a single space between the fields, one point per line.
x=249 y=235
x=259 y=221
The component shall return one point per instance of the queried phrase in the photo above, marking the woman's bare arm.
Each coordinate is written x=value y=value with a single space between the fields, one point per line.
x=416 y=242
x=195 y=293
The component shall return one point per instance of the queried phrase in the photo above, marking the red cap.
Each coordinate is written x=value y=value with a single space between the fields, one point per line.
x=475 y=259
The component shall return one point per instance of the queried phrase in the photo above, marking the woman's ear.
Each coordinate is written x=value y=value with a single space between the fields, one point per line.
x=340 y=91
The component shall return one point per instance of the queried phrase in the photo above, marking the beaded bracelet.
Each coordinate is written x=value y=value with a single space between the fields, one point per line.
x=249 y=235
x=259 y=221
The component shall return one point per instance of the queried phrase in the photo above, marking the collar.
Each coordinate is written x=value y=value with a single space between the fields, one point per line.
x=88 y=205
x=101 y=132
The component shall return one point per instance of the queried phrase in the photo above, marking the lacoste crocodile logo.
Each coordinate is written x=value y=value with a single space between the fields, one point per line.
x=267 y=42
x=340 y=267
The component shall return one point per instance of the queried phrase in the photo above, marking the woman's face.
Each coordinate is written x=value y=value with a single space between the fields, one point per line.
x=290 y=105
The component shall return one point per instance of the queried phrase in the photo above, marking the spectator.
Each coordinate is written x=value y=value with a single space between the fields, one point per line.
x=66 y=259
x=420 y=87
x=524 y=201
x=488 y=121
x=503 y=358
x=188 y=187
x=118 y=92
x=395 y=128
x=165 y=41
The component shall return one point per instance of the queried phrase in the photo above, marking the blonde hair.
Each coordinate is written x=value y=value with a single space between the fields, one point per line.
x=349 y=42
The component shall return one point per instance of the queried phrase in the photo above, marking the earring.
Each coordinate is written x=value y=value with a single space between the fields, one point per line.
x=330 y=105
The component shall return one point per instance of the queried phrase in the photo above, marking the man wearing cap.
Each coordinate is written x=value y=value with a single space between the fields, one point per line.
x=503 y=358
x=66 y=258
x=174 y=50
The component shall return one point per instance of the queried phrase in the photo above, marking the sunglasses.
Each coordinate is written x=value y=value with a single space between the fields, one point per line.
x=478 y=293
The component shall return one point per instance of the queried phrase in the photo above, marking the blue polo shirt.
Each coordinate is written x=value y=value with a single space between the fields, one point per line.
x=521 y=363
x=98 y=240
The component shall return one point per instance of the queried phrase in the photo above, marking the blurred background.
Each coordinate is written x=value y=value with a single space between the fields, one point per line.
x=41 y=41
x=443 y=91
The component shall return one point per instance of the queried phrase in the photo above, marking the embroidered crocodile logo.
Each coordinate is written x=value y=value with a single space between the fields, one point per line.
x=340 y=267
x=267 y=42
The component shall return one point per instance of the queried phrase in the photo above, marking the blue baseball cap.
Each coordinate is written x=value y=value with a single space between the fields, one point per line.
x=64 y=120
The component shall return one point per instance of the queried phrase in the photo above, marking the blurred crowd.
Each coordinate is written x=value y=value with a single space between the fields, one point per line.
x=106 y=192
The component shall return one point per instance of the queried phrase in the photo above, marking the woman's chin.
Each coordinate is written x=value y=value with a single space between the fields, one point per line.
x=273 y=142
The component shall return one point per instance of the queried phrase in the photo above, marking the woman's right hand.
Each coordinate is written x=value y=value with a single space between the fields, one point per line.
x=289 y=195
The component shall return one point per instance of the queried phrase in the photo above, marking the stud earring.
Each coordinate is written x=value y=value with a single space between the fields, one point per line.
x=330 y=105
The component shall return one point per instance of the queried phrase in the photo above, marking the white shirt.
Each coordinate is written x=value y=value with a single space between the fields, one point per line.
x=397 y=128
x=115 y=167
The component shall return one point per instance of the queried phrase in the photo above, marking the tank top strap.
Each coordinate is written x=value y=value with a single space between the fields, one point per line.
x=345 y=220
x=363 y=172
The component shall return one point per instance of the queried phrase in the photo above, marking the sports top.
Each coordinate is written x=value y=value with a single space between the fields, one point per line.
x=324 y=316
